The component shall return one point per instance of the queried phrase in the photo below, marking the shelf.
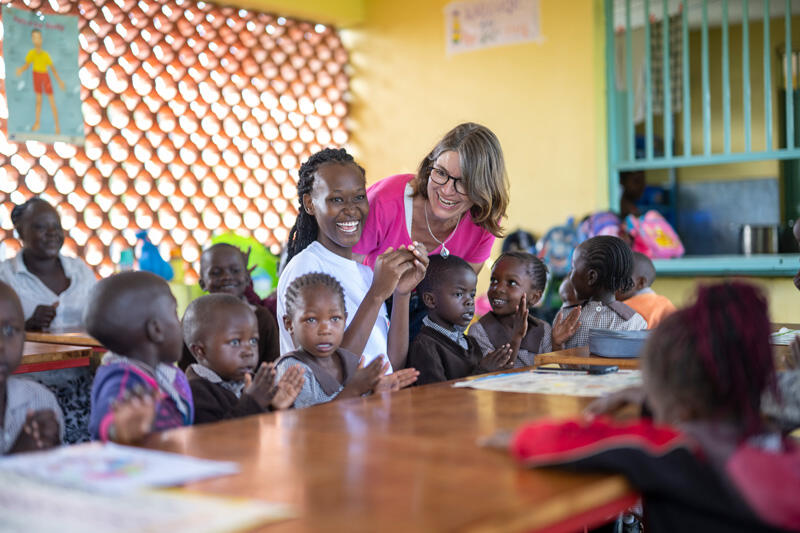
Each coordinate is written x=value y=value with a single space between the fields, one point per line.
x=780 y=265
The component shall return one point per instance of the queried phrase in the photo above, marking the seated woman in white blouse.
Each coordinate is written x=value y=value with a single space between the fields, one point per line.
x=54 y=291
x=53 y=288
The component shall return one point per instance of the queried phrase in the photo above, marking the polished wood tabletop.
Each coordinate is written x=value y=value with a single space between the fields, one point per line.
x=404 y=461
x=38 y=356
x=72 y=336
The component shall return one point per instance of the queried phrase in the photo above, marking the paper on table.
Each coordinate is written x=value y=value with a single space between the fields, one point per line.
x=111 y=468
x=570 y=384
x=30 y=506
x=784 y=336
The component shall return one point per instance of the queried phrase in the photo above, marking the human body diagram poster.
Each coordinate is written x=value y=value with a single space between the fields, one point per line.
x=43 y=90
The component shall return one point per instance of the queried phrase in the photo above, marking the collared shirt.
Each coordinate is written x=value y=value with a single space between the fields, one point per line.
x=455 y=334
x=236 y=387
x=33 y=292
x=312 y=392
x=22 y=395
x=596 y=314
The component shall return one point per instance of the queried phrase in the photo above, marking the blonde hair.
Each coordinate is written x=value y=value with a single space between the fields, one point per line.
x=483 y=169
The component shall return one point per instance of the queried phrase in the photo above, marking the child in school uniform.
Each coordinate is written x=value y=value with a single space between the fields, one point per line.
x=221 y=331
x=30 y=418
x=223 y=269
x=518 y=281
x=601 y=266
x=315 y=317
x=332 y=211
x=716 y=466
x=441 y=351
x=134 y=316
x=641 y=298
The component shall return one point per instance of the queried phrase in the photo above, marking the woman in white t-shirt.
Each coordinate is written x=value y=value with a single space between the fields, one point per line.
x=53 y=288
x=332 y=211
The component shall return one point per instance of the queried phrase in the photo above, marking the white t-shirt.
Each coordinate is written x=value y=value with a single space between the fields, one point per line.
x=33 y=293
x=355 y=278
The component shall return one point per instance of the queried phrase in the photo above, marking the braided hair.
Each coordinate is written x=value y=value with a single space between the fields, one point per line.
x=714 y=358
x=305 y=228
x=534 y=268
x=19 y=210
x=612 y=259
x=294 y=292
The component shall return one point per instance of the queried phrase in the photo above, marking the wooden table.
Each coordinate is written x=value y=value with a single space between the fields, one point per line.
x=581 y=356
x=75 y=337
x=407 y=461
x=39 y=356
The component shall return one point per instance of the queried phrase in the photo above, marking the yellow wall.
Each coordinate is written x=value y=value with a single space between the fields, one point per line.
x=784 y=298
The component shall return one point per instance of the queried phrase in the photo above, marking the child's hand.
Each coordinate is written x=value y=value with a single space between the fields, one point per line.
x=289 y=386
x=611 y=403
x=565 y=327
x=41 y=318
x=397 y=380
x=389 y=268
x=419 y=264
x=793 y=359
x=498 y=359
x=521 y=320
x=134 y=414
x=21 y=69
x=39 y=432
x=60 y=84
x=262 y=387
x=365 y=378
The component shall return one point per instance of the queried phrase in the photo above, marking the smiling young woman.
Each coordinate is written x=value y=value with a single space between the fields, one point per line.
x=453 y=205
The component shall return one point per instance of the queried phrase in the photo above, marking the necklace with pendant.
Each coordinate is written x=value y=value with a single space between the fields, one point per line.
x=445 y=252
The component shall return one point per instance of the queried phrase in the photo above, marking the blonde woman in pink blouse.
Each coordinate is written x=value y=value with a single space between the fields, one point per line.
x=453 y=205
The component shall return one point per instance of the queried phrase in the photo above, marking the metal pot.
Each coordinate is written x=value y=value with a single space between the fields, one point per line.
x=759 y=239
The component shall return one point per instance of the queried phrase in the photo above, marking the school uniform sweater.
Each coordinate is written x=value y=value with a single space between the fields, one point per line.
x=491 y=334
x=440 y=358
x=269 y=347
x=216 y=399
x=692 y=478
x=320 y=386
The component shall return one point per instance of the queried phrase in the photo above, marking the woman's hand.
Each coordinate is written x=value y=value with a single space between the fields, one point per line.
x=41 y=318
x=565 y=327
x=418 y=259
x=389 y=268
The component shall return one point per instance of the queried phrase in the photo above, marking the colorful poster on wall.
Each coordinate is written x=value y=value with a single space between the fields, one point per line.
x=477 y=24
x=43 y=89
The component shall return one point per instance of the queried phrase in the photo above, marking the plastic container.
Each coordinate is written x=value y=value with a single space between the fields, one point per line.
x=176 y=262
x=618 y=344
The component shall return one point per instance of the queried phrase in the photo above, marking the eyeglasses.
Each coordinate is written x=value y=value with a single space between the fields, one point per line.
x=441 y=177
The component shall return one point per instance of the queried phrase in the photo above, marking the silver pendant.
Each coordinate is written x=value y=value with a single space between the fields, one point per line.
x=445 y=252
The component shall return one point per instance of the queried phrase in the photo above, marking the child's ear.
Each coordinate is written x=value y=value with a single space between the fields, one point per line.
x=429 y=300
x=308 y=205
x=534 y=296
x=287 y=323
x=639 y=283
x=591 y=277
x=154 y=331
x=202 y=283
x=198 y=350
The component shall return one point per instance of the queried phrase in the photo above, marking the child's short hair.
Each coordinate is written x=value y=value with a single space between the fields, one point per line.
x=120 y=305
x=714 y=357
x=643 y=266
x=218 y=246
x=295 y=289
x=437 y=270
x=200 y=314
x=612 y=259
x=534 y=268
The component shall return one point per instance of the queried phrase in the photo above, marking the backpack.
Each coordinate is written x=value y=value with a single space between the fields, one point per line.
x=601 y=223
x=556 y=247
x=653 y=236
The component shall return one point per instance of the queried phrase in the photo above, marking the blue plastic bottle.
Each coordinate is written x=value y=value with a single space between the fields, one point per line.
x=150 y=260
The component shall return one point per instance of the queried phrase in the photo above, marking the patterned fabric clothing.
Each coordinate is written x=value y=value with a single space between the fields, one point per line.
x=455 y=334
x=23 y=395
x=596 y=314
x=72 y=388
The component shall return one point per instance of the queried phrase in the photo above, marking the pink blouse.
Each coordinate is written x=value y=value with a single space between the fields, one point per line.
x=389 y=221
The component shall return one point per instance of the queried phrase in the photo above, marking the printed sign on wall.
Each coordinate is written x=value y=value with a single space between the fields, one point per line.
x=43 y=89
x=473 y=25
